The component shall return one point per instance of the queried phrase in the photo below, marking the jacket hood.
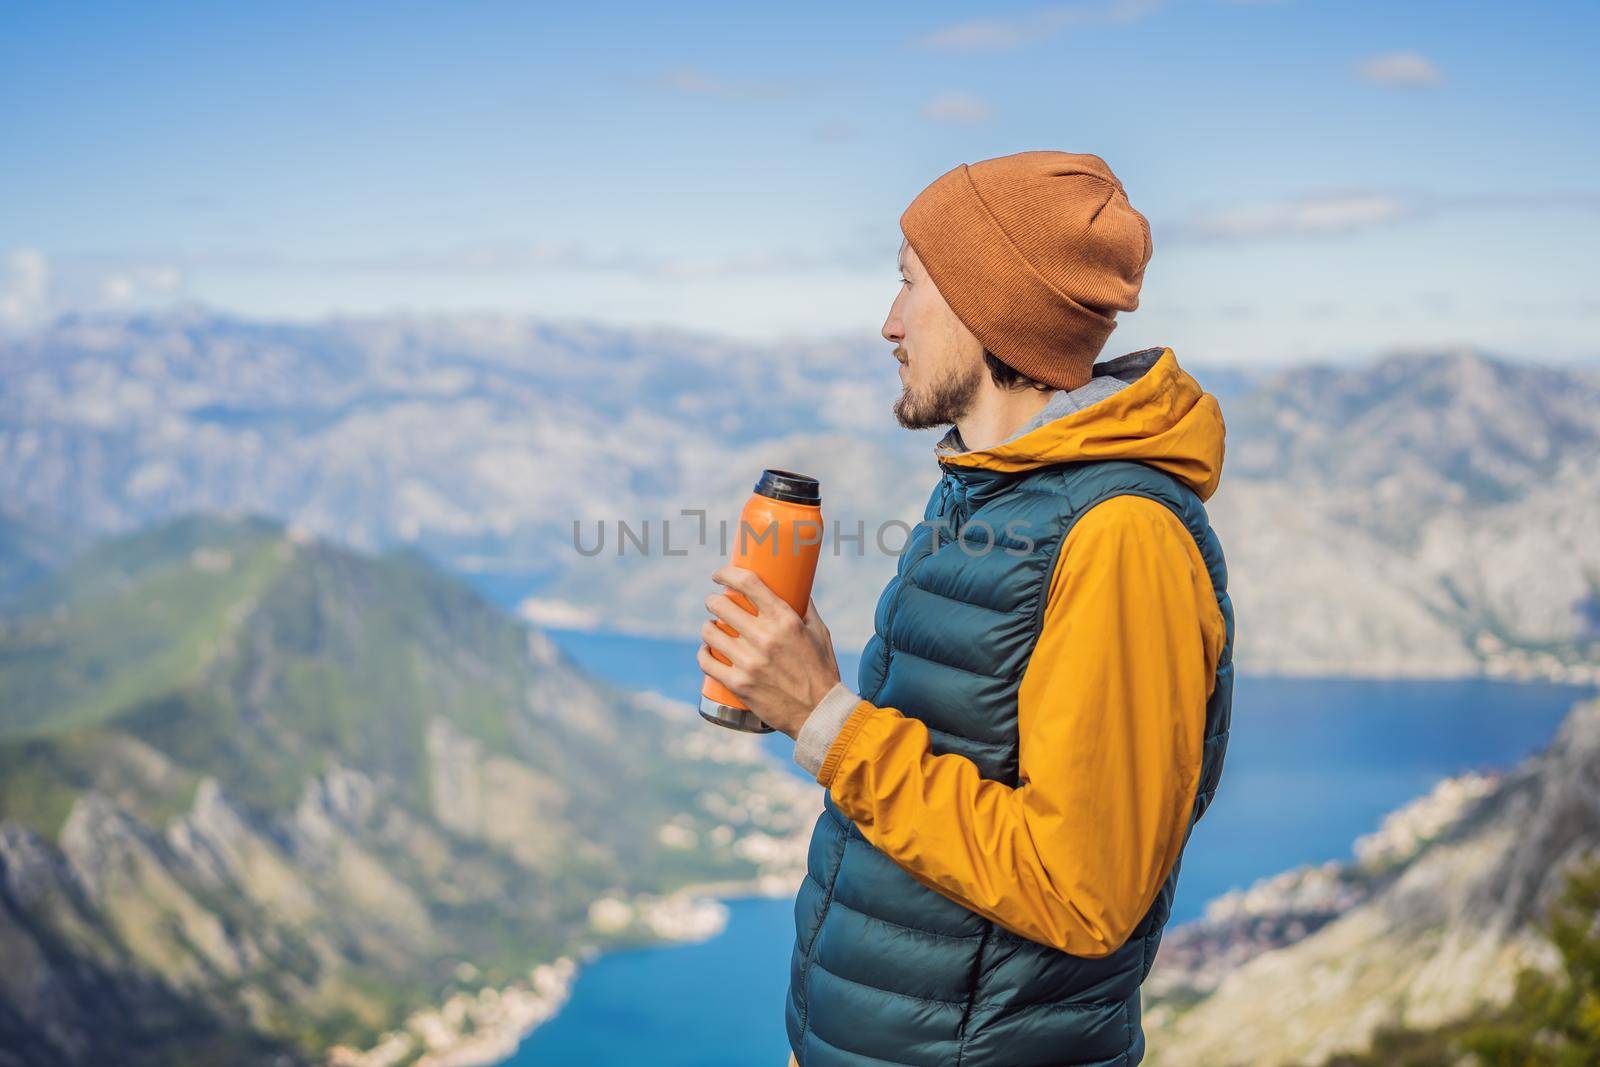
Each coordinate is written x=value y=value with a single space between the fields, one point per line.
x=1158 y=414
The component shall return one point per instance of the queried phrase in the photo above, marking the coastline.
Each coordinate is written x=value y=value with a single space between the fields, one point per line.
x=485 y=1027
x=502 y=1019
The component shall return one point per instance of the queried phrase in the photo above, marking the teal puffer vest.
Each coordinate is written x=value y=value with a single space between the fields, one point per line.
x=887 y=971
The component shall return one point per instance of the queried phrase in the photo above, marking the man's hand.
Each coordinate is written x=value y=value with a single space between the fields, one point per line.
x=782 y=664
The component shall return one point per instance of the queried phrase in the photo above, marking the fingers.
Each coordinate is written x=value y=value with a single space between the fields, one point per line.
x=750 y=584
x=728 y=646
x=732 y=677
x=729 y=610
x=770 y=627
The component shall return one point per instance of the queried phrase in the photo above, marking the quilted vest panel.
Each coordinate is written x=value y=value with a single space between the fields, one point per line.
x=885 y=970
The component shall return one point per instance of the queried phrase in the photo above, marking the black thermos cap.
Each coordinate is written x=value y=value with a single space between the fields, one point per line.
x=787 y=485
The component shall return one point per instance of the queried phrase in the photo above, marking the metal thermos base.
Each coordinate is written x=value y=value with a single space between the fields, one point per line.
x=733 y=718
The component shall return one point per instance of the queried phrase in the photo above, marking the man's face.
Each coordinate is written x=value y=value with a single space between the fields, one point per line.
x=941 y=361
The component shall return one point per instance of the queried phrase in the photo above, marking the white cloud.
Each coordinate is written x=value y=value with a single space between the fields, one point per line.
x=1001 y=34
x=1400 y=69
x=957 y=107
x=138 y=284
x=1335 y=213
x=34 y=288
x=118 y=289
x=1347 y=211
x=25 y=289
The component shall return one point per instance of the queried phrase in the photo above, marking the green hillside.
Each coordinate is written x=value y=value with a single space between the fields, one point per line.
x=285 y=791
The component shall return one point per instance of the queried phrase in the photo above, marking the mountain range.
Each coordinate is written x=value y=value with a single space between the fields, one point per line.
x=1425 y=513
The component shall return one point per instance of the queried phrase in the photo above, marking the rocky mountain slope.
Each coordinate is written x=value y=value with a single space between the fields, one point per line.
x=1426 y=513
x=1428 y=923
x=260 y=795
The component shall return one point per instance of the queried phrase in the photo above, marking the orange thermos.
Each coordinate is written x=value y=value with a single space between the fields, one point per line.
x=779 y=537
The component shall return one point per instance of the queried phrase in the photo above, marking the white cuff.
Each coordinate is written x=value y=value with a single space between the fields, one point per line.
x=816 y=734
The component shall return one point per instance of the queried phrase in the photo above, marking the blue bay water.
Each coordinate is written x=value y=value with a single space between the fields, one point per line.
x=1311 y=765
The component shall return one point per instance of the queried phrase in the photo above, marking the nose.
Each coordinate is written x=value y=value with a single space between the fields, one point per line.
x=893 y=329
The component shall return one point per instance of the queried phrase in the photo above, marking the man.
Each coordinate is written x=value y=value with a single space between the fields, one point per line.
x=1043 y=708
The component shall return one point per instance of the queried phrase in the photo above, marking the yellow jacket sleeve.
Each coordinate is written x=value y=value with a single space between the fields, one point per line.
x=1111 y=723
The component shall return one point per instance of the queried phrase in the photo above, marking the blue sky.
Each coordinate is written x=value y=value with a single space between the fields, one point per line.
x=1323 y=180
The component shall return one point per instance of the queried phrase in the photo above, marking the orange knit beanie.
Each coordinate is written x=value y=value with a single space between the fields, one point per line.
x=1035 y=253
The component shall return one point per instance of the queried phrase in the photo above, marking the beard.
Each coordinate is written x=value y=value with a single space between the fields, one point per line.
x=941 y=403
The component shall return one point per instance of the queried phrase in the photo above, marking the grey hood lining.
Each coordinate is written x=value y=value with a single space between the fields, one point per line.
x=1106 y=378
